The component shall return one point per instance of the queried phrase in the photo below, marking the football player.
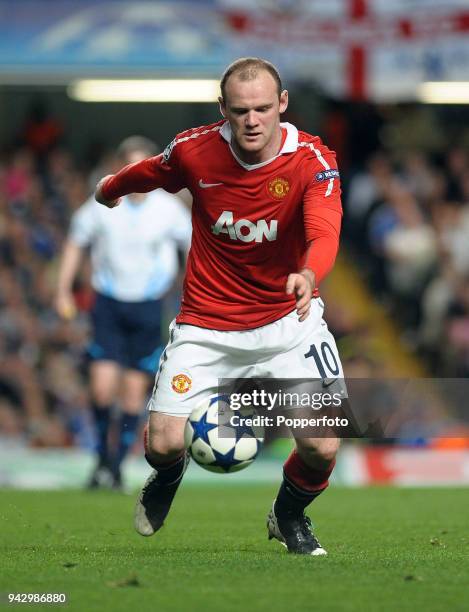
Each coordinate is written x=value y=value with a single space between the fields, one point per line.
x=266 y=219
x=134 y=262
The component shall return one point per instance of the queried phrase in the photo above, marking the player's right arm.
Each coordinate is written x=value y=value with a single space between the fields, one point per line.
x=141 y=177
x=69 y=263
x=84 y=228
x=99 y=194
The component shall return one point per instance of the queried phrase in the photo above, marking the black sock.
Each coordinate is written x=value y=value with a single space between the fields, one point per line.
x=169 y=473
x=292 y=500
x=102 y=420
x=127 y=435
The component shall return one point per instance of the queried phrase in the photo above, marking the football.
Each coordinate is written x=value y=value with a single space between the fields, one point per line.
x=221 y=439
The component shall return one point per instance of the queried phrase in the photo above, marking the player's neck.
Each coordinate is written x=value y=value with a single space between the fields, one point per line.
x=258 y=157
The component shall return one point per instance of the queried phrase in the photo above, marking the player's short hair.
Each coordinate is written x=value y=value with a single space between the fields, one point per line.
x=247 y=69
x=137 y=143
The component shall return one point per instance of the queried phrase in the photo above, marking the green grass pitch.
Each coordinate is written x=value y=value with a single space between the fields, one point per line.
x=389 y=548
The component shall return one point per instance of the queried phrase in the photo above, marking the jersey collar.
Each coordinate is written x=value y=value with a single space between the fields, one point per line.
x=289 y=146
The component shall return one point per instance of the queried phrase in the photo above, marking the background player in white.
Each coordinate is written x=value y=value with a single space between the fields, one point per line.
x=266 y=220
x=134 y=262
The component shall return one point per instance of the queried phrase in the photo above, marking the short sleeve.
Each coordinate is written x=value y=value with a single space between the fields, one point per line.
x=84 y=224
x=181 y=231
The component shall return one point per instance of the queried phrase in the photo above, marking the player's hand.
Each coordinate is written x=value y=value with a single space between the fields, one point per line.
x=302 y=285
x=65 y=305
x=99 y=197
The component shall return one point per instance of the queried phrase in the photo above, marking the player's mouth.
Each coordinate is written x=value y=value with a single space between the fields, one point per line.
x=252 y=136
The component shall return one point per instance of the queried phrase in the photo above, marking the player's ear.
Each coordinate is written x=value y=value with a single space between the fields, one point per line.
x=283 y=101
x=221 y=104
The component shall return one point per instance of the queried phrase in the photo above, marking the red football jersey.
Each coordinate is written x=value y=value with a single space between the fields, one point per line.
x=253 y=225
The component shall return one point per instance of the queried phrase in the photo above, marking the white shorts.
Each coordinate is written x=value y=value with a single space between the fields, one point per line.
x=196 y=358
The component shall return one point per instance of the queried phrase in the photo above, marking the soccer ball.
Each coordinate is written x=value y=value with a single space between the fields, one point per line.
x=217 y=445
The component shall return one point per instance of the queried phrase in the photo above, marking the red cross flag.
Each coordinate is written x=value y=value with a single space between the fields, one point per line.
x=362 y=49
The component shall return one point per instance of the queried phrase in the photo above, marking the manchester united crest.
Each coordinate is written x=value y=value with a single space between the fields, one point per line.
x=181 y=383
x=279 y=187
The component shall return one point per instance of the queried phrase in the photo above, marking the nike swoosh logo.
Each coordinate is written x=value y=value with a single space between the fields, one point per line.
x=207 y=185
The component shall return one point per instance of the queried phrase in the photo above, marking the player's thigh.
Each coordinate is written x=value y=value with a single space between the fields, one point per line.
x=317 y=355
x=304 y=349
x=191 y=366
x=312 y=362
x=165 y=434
x=104 y=381
x=143 y=345
x=135 y=386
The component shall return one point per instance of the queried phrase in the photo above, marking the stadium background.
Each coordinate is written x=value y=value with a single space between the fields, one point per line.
x=398 y=299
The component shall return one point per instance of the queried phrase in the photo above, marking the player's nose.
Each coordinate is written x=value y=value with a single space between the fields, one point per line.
x=251 y=119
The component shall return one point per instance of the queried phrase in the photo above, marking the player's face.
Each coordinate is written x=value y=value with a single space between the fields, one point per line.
x=253 y=109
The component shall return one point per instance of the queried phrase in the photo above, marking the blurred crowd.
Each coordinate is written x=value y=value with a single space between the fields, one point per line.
x=43 y=395
x=407 y=220
x=406 y=224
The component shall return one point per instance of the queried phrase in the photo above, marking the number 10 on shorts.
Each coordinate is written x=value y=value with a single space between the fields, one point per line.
x=324 y=359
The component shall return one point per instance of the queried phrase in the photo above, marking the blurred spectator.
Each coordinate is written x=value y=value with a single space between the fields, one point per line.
x=409 y=218
x=410 y=252
x=367 y=187
x=457 y=329
x=41 y=131
x=134 y=264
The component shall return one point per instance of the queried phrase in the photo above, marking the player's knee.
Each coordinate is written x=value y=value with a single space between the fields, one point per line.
x=319 y=452
x=133 y=405
x=164 y=450
x=102 y=396
x=134 y=390
x=165 y=443
x=328 y=452
x=104 y=382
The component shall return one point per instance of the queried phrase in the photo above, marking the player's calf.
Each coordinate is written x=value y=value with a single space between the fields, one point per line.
x=164 y=451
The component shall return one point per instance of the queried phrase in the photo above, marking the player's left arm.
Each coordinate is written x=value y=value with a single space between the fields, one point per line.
x=322 y=211
x=302 y=285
